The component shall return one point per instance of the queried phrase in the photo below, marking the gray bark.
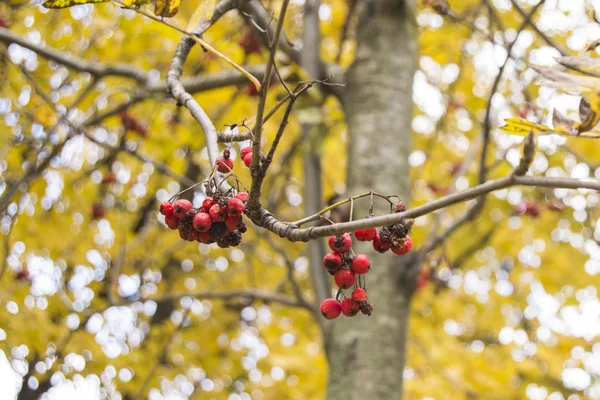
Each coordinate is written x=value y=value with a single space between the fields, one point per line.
x=367 y=354
x=313 y=190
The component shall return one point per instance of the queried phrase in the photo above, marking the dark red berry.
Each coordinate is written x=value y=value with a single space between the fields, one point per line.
x=381 y=245
x=331 y=308
x=181 y=207
x=166 y=208
x=202 y=222
x=208 y=203
x=171 y=221
x=341 y=243
x=245 y=151
x=365 y=235
x=332 y=261
x=235 y=207
x=205 y=237
x=98 y=211
x=217 y=213
x=233 y=222
x=361 y=264
x=404 y=248
x=349 y=308
x=359 y=295
x=224 y=165
x=366 y=307
x=344 y=278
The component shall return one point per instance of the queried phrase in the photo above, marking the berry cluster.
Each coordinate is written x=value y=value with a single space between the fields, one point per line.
x=348 y=270
x=394 y=237
x=218 y=220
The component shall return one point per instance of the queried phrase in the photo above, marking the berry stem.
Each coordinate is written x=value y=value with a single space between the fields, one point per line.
x=319 y=215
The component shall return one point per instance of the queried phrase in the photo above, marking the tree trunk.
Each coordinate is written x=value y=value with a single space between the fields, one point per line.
x=367 y=354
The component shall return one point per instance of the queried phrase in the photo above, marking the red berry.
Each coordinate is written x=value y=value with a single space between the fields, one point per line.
x=359 y=295
x=349 y=308
x=331 y=308
x=332 y=261
x=245 y=151
x=365 y=235
x=171 y=221
x=224 y=165
x=166 y=208
x=361 y=264
x=204 y=237
x=344 y=278
x=192 y=236
x=405 y=248
x=233 y=222
x=381 y=245
x=341 y=243
x=23 y=275
x=423 y=278
x=98 y=211
x=181 y=207
x=248 y=159
x=216 y=213
x=202 y=222
x=208 y=203
x=235 y=207
x=243 y=196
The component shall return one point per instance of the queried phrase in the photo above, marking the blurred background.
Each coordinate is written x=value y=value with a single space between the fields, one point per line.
x=99 y=299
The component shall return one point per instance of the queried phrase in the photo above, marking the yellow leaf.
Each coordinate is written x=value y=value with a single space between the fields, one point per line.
x=69 y=3
x=166 y=8
x=593 y=117
x=522 y=127
x=202 y=15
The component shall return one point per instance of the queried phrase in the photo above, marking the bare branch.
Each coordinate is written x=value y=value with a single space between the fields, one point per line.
x=98 y=70
x=291 y=232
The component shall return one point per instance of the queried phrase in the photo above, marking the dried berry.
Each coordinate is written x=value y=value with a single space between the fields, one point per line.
x=331 y=308
x=366 y=307
x=217 y=230
x=404 y=247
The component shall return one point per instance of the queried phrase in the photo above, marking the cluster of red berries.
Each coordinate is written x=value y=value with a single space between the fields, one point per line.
x=348 y=270
x=218 y=220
